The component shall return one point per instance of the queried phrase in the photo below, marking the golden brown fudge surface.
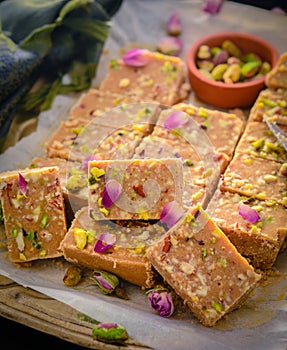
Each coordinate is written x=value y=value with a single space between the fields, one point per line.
x=142 y=187
x=96 y=103
x=203 y=267
x=76 y=140
x=196 y=172
x=259 y=240
x=223 y=129
x=126 y=258
x=163 y=79
x=255 y=177
x=269 y=102
x=258 y=140
x=34 y=213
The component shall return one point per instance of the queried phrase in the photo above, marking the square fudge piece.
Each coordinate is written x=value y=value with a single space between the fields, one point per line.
x=256 y=228
x=203 y=267
x=75 y=140
x=95 y=103
x=258 y=140
x=162 y=79
x=196 y=172
x=133 y=189
x=34 y=213
x=269 y=102
x=256 y=177
x=178 y=126
x=73 y=178
x=223 y=129
x=126 y=258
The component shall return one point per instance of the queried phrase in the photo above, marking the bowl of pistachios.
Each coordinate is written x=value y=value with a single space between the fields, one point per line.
x=228 y=69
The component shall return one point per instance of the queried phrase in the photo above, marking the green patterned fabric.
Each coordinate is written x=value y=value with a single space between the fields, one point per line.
x=48 y=38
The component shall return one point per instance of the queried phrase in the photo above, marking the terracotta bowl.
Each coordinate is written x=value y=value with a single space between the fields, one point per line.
x=220 y=94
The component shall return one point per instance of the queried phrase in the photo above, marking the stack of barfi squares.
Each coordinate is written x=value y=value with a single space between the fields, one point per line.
x=255 y=180
x=128 y=150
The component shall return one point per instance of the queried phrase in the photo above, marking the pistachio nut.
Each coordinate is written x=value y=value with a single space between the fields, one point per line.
x=204 y=52
x=232 y=74
x=220 y=57
x=249 y=69
x=231 y=48
x=218 y=71
x=205 y=65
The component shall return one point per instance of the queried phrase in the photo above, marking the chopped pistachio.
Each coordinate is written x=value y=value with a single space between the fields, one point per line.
x=44 y=220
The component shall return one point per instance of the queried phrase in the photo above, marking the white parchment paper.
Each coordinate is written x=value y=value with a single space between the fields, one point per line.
x=262 y=322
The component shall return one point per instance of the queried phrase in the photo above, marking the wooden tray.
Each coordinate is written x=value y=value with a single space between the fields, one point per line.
x=45 y=314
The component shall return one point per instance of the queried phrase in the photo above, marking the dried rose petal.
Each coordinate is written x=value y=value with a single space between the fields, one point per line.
x=248 y=213
x=171 y=213
x=85 y=161
x=170 y=45
x=111 y=193
x=161 y=302
x=174 y=25
x=22 y=183
x=212 y=6
x=105 y=242
x=136 y=58
x=175 y=119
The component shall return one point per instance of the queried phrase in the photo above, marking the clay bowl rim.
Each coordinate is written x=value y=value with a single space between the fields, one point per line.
x=221 y=36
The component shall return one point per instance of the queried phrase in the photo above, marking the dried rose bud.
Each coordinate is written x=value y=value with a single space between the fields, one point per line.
x=161 y=301
x=110 y=333
x=212 y=6
x=173 y=26
x=107 y=282
x=170 y=45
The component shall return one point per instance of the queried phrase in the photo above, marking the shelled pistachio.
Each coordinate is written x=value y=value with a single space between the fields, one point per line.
x=227 y=63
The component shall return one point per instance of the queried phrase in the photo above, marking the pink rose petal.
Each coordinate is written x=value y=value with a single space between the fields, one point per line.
x=111 y=193
x=175 y=119
x=136 y=58
x=22 y=183
x=171 y=213
x=85 y=161
x=212 y=6
x=104 y=242
x=249 y=214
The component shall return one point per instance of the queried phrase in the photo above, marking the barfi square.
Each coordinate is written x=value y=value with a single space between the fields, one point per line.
x=203 y=267
x=126 y=258
x=223 y=129
x=179 y=127
x=34 y=213
x=255 y=177
x=269 y=102
x=258 y=140
x=135 y=189
x=75 y=140
x=256 y=228
x=162 y=79
x=197 y=172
